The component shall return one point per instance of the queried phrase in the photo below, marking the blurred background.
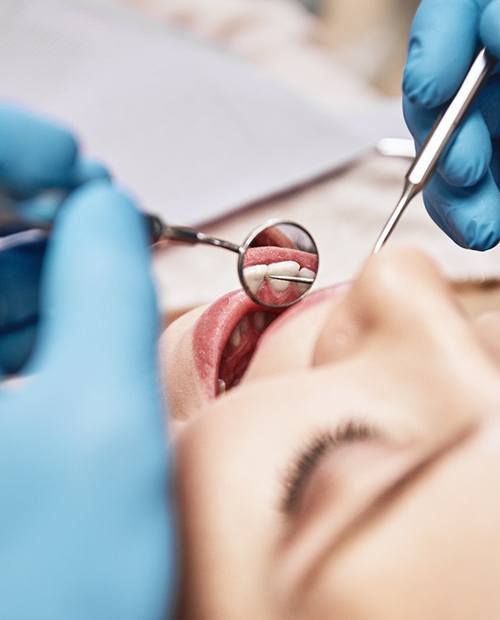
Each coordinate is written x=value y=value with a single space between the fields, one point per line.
x=368 y=36
x=223 y=113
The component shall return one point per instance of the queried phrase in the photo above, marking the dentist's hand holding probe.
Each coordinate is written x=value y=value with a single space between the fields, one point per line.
x=463 y=198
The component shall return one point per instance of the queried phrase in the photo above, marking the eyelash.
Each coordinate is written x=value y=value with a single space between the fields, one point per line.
x=309 y=457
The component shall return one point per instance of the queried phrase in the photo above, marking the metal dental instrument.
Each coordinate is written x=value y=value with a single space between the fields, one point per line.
x=275 y=236
x=298 y=279
x=438 y=139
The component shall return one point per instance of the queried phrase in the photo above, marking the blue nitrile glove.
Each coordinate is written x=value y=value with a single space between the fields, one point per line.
x=39 y=164
x=463 y=198
x=85 y=528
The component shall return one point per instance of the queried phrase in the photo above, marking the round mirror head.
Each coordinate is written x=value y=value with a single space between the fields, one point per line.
x=278 y=264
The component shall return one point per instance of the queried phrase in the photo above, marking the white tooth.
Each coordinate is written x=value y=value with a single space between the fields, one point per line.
x=236 y=337
x=305 y=273
x=244 y=323
x=222 y=386
x=259 y=320
x=254 y=276
x=284 y=268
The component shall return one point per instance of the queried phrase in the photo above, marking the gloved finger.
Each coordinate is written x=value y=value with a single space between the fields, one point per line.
x=495 y=162
x=489 y=27
x=471 y=217
x=86 y=170
x=16 y=348
x=443 y=40
x=20 y=272
x=98 y=303
x=489 y=103
x=44 y=206
x=468 y=156
x=34 y=153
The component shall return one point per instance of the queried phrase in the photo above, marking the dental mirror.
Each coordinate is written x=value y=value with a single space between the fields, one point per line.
x=278 y=263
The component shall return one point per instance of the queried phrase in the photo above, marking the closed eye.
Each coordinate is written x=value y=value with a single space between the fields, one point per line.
x=309 y=458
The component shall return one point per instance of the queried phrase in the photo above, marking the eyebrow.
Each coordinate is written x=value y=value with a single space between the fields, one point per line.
x=302 y=469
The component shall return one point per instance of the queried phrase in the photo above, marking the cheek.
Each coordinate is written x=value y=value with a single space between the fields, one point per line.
x=432 y=554
x=488 y=329
x=182 y=386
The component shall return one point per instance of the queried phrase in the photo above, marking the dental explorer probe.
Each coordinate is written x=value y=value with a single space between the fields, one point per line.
x=438 y=139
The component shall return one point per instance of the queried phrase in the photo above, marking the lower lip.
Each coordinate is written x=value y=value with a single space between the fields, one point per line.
x=212 y=330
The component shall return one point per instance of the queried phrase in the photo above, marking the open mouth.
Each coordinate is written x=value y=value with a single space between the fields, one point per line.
x=227 y=333
x=225 y=338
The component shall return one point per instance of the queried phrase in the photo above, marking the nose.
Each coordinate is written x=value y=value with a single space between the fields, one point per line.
x=399 y=294
x=401 y=326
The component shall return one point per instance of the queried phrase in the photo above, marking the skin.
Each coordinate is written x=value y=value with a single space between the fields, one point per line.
x=405 y=524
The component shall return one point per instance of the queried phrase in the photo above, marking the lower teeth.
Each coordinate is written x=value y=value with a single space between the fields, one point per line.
x=222 y=386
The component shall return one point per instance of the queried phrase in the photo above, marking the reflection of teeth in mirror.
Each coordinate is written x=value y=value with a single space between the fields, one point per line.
x=236 y=337
x=305 y=273
x=254 y=276
x=283 y=268
x=259 y=320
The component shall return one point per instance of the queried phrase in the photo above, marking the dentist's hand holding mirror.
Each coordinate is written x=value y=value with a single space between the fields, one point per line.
x=87 y=530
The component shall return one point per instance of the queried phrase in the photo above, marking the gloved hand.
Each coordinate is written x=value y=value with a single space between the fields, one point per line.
x=463 y=197
x=85 y=531
x=35 y=156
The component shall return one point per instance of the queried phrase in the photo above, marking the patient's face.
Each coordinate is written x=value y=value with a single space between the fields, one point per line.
x=351 y=468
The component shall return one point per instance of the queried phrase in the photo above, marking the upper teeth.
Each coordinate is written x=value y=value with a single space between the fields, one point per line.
x=285 y=268
x=255 y=275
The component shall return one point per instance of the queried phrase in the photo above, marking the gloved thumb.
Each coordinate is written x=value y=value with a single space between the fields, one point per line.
x=98 y=307
x=489 y=27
